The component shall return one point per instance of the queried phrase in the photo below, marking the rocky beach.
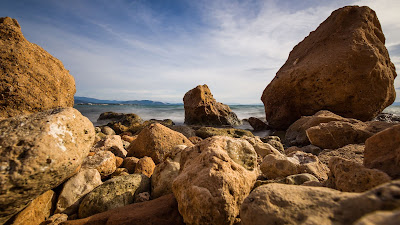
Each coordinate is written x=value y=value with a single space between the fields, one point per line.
x=330 y=156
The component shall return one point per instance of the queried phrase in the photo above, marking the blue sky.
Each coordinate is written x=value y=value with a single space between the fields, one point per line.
x=160 y=49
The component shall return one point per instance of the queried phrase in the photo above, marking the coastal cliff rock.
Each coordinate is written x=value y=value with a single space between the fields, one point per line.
x=216 y=175
x=202 y=109
x=31 y=80
x=38 y=152
x=343 y=66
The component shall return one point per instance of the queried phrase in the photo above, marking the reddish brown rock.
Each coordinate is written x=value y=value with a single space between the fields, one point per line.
x=354 y=153
x=163 y=210
x=130 y=164
x=118 y=161
x=31 y=79
x=382 y=151
x=343 y=66
x=202 y=109
x=156 y=141
x=257 y=124
x=145 y=166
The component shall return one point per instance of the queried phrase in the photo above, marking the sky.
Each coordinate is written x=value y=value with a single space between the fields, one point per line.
x=160 y=49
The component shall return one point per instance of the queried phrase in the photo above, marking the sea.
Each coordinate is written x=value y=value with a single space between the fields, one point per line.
x=177 y=113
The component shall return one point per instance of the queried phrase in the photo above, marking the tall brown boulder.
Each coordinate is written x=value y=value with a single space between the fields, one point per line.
x=202 y=109
x=343 y=67
x=31 y=80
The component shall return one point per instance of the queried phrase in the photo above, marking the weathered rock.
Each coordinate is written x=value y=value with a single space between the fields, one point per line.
x=38 y=152
x=380 y=218
x=216 y=175
x=128 y=138
x=296 y=133
x=102 y=161
x=130 y=164
x=185 y=130
x=387 y=117
x=261 y=148
x=289 y=204
x=307 y=149
x=162 y=210
x=165 y=173
x=112 y=143
x=202 y=109
x=195 y=139
x=55 y=219
x=145 y=166
x=156 y=141
x=347 y=53
x=31 y=79
x=120 y=172
x=116 y=192
x=382 y=151
x=275 y=166
x=206 y=132
x=75 y=188
x=354 y=153
x=257 y=124
x=122 y=122
x=299 y=179
x=107 y=130
x=118 y=161
x=37 y=211
x=349 y=176
x=142 y=197
x=337 y=134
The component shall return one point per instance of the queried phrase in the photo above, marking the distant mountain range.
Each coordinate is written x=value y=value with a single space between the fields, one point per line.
x=85 y=100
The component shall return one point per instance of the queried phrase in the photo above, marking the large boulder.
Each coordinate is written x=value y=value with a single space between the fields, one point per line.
x=38 y=152
x=289 y=204
x=163 y=211
x=31 y=80
x=216 y=175
x=202 y=109
x=343 y=66
x=116 y=192
x=382 y=151
x=156 y=141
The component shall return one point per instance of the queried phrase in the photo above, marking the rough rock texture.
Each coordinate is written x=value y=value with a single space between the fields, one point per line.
x=346 y=52
x=202 y=109
x=276 y=166
x=257 y=124
x=163 y=211
x=55 y=219
x=261 y=148
x=116 y=192
x=354 y=153
x=145 y=166
x=130 y=164
x=75 y=188
x=37 y=211
x=289 y=204
x=156 y=141
x=118 y=161
x=112 y=143
x=206 y=132
x=185 y=130
x=216 y=175
x=165 y=173
x=120 y=172
x=382 y=151
x=107 y=130
x=337 y=134
x=380 y=218
x=349 y=176
x=31 y=79
x=296 y=133
x=38 y=152
x=102 y=161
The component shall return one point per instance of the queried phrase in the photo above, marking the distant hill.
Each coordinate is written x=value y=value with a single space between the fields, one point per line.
x=85 y=100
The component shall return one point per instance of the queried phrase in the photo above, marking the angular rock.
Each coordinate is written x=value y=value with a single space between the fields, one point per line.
x=102 y=161
x=112 y=143
x=166 y=172
x=276 y=166
x=346 y=52
x=206 y=132
x=162 y=210
x=380 y=218
x=38 y=152
x=130 y=164
x=290 y=204
x=337 y=134
x=382 y=151
x=37 y=211
x=257 y=124
x=145 y=166
x=75 y=188
x=156 y=141
x=261 y=148
x=31 y=79
x=354 y=153
x=202 y=109
x=116 y=192
x=216 y=175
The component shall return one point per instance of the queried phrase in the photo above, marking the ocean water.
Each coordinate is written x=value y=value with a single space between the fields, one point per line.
x=176 y=112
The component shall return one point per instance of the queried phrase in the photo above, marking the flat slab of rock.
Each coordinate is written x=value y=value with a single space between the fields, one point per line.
x=343 y=66
x=38 y=152
x=31 y=79
x=202 y=109
x=290 y=204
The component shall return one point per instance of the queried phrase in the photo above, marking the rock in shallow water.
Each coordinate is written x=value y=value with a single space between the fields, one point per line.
x=38 y=152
